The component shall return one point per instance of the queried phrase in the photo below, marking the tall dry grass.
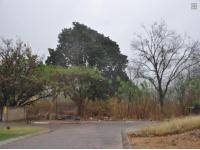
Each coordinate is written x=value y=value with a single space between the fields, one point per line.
x=173 y=126
x=118 y=109
x=113 y=108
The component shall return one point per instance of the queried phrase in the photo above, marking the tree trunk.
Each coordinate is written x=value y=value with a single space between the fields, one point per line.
x=54 y=100
x=161 y=100
x=1 y=112
x=80 y=108
x=80 y=103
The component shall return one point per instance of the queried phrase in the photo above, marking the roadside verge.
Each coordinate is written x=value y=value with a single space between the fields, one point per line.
x=23 y=137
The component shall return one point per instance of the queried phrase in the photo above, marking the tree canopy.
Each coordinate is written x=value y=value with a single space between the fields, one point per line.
x=83 y=46
x=161 y=56
x=17 y=64
x=74 y=82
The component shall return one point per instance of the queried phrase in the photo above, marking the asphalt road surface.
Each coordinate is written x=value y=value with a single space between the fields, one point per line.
x=82 y=135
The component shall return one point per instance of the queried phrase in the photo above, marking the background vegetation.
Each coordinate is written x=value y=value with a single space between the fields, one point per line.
x=86 y=75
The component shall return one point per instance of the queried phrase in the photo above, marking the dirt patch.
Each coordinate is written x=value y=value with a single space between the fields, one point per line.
x=185 y=140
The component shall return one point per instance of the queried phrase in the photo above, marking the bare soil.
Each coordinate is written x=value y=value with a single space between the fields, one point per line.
x=185 y=140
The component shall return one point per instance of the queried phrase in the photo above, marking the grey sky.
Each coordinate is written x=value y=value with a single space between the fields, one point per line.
x=39 y=21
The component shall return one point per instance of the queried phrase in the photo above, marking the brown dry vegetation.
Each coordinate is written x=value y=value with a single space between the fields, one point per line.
x=144 y=108
x=46 y=109
x=173 y=126
x=112 y=109
x=185 y=140
x=176 y=133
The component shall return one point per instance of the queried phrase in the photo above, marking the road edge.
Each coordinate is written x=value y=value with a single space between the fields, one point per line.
x=125 y=140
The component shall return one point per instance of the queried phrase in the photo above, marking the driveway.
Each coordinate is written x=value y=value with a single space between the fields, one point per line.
x=79 y=135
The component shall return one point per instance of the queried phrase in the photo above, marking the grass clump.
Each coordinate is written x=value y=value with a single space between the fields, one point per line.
x=18 y=131
x=174 y=126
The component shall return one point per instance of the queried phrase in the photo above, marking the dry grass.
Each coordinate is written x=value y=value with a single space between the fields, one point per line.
x=114 y=108
x=118 y=109
x=186 y=140
x=174 y=126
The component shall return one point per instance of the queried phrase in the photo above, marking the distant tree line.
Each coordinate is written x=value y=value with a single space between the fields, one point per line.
x=88 y=65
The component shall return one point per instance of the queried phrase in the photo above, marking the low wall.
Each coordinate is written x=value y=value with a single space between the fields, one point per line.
x=14 y=113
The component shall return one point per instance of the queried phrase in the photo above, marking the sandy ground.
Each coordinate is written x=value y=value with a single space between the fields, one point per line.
x=185 y=140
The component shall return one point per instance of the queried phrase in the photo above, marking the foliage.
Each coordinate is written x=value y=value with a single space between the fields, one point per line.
x=67 y=80
x=82 y=46
x=17 y=64
x=193 y=88
x=75 y=82
x=127 y=90
x=87 y=67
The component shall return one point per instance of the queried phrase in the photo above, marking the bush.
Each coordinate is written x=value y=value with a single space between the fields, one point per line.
x=116 y=109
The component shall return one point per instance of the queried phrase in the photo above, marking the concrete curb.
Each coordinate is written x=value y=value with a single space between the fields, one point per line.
x=125 y=140
x=55 y=122
x=76 y=122
x=22 y=137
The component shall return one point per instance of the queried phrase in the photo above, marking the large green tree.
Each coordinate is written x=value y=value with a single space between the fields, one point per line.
x=73 y=82
x=17 y=65
x=83 y=46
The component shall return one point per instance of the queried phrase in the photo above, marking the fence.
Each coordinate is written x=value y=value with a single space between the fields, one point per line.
x=14 y=113
x=49 y=110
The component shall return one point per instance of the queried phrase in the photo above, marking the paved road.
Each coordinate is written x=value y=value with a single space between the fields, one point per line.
x=83 y=135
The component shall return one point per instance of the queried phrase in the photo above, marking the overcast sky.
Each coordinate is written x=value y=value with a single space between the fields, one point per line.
x=38 y=22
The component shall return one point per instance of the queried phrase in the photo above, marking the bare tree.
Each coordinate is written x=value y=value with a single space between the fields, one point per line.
x=161 y=55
